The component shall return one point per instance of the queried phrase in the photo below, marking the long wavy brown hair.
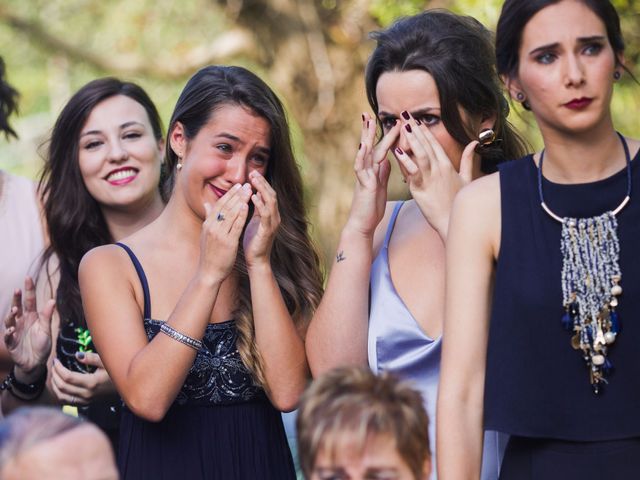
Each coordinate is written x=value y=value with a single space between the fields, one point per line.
x=294 y=258
x=74 y=218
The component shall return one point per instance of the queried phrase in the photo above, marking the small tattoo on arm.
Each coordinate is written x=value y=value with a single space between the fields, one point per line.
x=340 y=256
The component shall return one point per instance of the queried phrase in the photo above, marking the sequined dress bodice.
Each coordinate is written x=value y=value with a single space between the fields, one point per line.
x=218 y=375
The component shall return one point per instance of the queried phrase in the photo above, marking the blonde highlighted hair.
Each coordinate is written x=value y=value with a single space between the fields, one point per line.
x=352 y=404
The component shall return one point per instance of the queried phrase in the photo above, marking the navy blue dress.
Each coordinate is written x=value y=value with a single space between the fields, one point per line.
x=221 y=425
x=537 y=386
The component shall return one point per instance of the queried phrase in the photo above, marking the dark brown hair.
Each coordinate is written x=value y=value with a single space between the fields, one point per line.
x=8 y=103
x=457 y=51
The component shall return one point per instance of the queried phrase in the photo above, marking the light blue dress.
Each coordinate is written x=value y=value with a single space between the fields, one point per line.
x=398 y=344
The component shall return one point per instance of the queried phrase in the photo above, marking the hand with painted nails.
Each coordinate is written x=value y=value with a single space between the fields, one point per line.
x=372 y=169
x=263 y=225
x=431 y=176
x=75 y=388
x=221 y=232
x=28 y=331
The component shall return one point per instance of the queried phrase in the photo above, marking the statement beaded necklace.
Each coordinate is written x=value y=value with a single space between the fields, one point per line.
x=591 y=281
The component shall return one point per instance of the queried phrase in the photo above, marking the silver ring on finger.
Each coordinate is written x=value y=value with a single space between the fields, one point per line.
x=220 y=217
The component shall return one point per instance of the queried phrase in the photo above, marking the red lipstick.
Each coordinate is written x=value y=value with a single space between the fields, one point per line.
x=121 y=176
x=579 y=103
x=218 y=191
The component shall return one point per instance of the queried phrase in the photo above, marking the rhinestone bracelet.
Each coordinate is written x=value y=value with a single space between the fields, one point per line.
x=181 y=337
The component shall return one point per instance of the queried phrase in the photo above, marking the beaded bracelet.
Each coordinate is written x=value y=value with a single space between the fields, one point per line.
x=181 y=337
x=26 y=392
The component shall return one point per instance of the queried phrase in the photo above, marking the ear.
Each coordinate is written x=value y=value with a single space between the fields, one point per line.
x=488 y=122
x=620 y=61
x=513 y=86
x=178 y=140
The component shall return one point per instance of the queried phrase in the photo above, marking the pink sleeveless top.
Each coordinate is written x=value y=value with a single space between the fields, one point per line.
x=21 y=240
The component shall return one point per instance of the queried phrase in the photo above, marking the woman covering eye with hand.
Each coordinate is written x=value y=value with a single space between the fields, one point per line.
x=200 y=316
x=543 y=276
x=432 y=85
x=100 y=183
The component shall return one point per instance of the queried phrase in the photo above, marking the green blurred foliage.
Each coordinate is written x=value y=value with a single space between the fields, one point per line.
x=386 y=11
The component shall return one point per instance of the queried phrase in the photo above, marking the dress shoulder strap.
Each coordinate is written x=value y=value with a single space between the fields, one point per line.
x=392 y=223
x=142 y=277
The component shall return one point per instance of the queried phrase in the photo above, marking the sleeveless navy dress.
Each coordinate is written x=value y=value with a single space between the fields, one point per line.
x=537 y=386
x=220 y=426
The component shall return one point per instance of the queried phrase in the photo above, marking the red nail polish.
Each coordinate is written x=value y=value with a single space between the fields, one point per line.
x=363 y=117
x=405 y=115
x=418 y=122
x=359 y=146
x=407 y=127
x=399 y=151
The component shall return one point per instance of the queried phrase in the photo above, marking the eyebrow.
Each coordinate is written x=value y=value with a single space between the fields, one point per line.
x=415 y=113
x=122 y=127
x=581 y=40
x=233 y=138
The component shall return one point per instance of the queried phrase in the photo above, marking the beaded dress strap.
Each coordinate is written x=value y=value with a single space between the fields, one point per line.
x=142 y=277
x=392 y=223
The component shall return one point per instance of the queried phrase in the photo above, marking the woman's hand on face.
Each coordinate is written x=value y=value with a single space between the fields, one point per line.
x=27 y=332
x=372 y=170
x=75 y=388
x=432 y=179
x=221 y=232
x=261 y=230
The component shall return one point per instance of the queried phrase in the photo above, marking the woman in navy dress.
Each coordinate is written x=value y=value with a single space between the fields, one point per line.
x=542 y=267
x=199 y=317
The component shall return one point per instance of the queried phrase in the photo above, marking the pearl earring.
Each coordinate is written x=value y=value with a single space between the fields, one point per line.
x=179 y=166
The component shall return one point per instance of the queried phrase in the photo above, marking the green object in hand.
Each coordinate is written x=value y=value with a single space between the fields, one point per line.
x=84 y=339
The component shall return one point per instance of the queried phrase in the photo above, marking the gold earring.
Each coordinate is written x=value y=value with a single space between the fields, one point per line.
x=486 y=137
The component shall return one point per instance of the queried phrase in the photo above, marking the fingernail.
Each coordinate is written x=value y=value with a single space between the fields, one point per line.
x=407 y=127
x=363 y=117
x=80 y=355
x=418 y=122
x=359 y=146
x=399 y=151
x=405 y=115
x=367 y=123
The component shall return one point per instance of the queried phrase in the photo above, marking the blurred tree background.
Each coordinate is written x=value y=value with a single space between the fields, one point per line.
x=312 y=52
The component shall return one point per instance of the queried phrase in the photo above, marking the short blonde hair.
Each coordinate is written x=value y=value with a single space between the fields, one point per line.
x=352 y=404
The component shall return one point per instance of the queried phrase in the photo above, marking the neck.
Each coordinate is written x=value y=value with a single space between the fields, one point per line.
x=179 y=223
x=584 y=157
x=123 y=223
